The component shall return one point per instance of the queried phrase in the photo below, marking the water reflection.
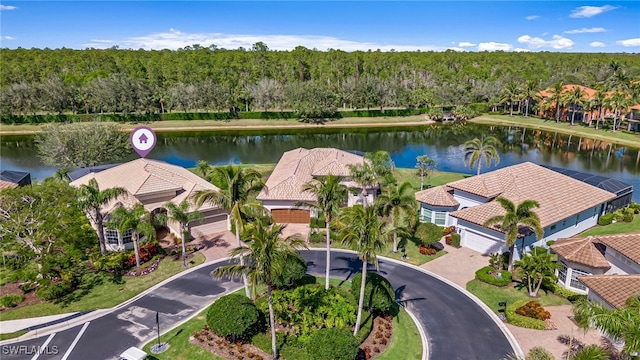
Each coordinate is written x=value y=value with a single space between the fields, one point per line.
x=441 y=142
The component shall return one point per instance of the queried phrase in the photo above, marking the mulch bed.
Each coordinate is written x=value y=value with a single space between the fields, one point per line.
x=13 y=287
x=221 y=347
x=378 y=340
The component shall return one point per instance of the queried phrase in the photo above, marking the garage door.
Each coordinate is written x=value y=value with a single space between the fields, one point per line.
x=480 y=243
x=295 y=216
x=210 y=225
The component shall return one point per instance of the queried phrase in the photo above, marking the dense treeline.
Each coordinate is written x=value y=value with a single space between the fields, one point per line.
x=312 y=83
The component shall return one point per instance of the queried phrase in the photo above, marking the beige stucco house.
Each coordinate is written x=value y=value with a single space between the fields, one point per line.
x=152 y=183
x=283 y=189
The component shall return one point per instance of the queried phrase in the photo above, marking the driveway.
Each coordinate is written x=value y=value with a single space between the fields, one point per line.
x=456 y=326
x=458 y=265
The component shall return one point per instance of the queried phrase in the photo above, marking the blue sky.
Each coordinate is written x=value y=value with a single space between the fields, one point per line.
x=570 y=26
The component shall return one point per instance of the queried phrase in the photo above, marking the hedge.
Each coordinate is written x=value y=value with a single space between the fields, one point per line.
x=485 y=274
x=11 y=300
x=333 y=343
x=233 y=315
x=605 y=219
x=566 y=293
x=428 y=233
x=295 y=268
x=455 y=240
x=378 y=293
x=522 y=321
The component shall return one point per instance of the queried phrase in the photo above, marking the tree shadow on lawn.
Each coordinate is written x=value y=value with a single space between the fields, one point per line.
x=89 y=281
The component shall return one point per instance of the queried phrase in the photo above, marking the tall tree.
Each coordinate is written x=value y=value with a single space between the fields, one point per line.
x=574 y=98
x=618 y=102
x=364 y=175
x=600 y=99
x=529 y=92
x=555 y=93
x=476 y=150
x=515 y=218
x=138 y=220
x=236 y=185
x=362 y=230
x=330 y=195
x=425 y=165
x=91 y=199
x=266 y=251
x=393 y=203
x=203 y=168
x=510 y=93
x=181 y=214
x=82 y=144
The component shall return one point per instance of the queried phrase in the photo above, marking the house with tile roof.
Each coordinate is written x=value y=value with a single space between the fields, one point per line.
x=605 y=256
x=283 y=189
x=153 y=183
x=567 y=206
x=13 y=179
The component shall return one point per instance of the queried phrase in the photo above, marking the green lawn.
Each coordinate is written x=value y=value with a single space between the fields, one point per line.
x=405 y=344
x=413 y=254
x=618 y=137
x=105 y=292
x=617 y=228
x=492 y=295
x=12 y=335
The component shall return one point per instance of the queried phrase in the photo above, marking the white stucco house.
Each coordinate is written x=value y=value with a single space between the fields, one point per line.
x=283 y=189
x=153 y=183
x=567 y=206
x=589 y=263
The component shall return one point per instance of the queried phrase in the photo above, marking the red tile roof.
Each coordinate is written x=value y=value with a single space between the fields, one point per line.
x=584 y=251
x=614 y=289
x=437 y=196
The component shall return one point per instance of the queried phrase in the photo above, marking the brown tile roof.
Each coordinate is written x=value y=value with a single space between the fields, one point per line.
x=626 y=244
x=585 y=251
x=7 y=185
x=437 y=196
x=559 y=195
x=298 y=166
x=614 y=289
x=589 y=92
x=142 y=178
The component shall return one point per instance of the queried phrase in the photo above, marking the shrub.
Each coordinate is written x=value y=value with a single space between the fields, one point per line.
x=114 y=260
x=487 y=275
x=534 y=310
x=628 y=214
x=618 y=215
x=424 y=250
x=11 y=300
x=522 y=321
x=295 y=267
x=378 y=293
x=605 y=219
x=335 y=344
x=146 y=251
x=54 y=291
x=428 y=233
x=448 y=230
x=455 y=240
x=233 y=316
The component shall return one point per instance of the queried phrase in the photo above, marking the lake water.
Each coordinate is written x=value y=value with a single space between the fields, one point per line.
x=441 y=142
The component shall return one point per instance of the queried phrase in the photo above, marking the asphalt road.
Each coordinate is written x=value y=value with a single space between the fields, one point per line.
x=456 y=327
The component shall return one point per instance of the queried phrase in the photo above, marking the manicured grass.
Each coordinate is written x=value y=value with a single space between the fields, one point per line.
x=105 y=292
x=492 y=295
x=618 y=137
x=405 y=342
x=617 y=228
x=435 y=178
x=413 y=254
x=12 y=335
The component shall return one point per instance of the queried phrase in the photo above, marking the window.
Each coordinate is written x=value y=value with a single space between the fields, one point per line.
x=112 y=236
x=577 y=219
x=562 y=273
x=426 y=215
x=441 y=218
x=553 y=227
x=126 y=238
x=575 y=283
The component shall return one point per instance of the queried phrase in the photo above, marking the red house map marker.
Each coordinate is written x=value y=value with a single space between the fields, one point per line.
x=142 y=139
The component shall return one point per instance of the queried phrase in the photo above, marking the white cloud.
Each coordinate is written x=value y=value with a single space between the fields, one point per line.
x=557 y=42
x=586 y=30
x=597 y=44
x=455 y=48
x=629 y=42
x=521 y=50
x=494 y=46
x=175 y=39
x=466 y=43
x=532 y=17
x=7 y=37
x=7 y=7
x=589 y=11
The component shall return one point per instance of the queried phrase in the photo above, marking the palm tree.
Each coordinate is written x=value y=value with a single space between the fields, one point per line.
x=509 y=93
x=330 y=196
x=364 y=175
x=514 y=218
x=395 y=201
x=574 y=97
x=267 y=253
x=529 y=92
x=138 y=220
x=424 y=164
x=180 y=213
x=555 y=92
x=476 y=149
x=237 y=184
x=203 y=168
x=62 y=175
x=363 y=231
x=600 y=99
x=620 y=324
x=91 y=200
x=618 y=102
x=537 y=268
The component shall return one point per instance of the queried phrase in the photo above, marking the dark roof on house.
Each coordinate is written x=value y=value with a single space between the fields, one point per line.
x=605 y=183
x=13 y=176
x=80 y=172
